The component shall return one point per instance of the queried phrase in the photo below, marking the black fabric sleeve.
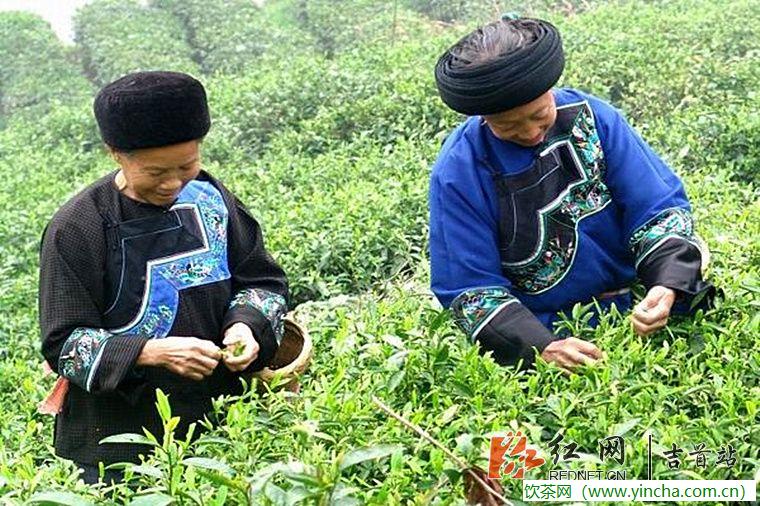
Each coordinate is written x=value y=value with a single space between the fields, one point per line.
x=501 y=324
x=74 y=343
x=676 y=264
x=668 y=254
x=259 y=285
x=512 y=334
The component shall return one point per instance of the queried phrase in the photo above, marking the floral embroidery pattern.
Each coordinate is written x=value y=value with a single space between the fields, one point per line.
x=671 y=222
x=150 y=326
x=198 y=268
x=80 y=355
x=191 y=272
x=583 y=198
x=271 y=305
x=544 y=273
x=168 y=277
x=472 y=308
x=587 y=143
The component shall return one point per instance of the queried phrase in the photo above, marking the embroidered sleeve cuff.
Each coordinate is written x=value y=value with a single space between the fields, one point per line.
x=263 y=312
x=501 y=325
x=668 y=254
x=99 y=361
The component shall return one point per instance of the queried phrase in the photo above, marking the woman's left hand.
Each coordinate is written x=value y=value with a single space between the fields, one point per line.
x=651 y=314
x=236 y=336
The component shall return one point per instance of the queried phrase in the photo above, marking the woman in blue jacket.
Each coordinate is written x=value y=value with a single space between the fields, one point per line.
x=546 y=197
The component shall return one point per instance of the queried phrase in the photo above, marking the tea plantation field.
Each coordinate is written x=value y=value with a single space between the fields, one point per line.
x=325 y=123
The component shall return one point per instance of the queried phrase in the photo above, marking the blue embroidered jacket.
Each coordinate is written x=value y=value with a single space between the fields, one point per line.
x=519 y=234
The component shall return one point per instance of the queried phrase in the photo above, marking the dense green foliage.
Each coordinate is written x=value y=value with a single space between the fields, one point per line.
x=325 y=125
x=117 y=37
x=29 y=83
x=713 y=98
x=228 y=36
x=343 y=25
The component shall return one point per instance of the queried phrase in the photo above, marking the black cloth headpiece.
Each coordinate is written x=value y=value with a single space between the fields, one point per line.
x=151 y=109
x=513 y=79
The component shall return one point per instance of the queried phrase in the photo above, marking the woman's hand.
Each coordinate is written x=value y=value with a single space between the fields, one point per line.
x=651 y=314
x=187 y=356
x=571 y=352
x=242 y=348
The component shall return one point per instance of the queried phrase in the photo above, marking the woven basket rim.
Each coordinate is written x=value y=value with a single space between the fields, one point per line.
x=297 y=366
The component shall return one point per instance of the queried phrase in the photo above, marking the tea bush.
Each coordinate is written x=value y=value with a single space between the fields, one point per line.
x=117 y=37
x=331 y=150
x=372 y=89
x=229 y=36
x=613 y=52
x=345 y=220
x=27 y=82
x=483 y=11
x=251 y=107
x=340 y=25
x=402 y=104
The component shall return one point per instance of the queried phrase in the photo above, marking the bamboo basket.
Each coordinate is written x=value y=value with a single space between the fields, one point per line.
x=292 y=358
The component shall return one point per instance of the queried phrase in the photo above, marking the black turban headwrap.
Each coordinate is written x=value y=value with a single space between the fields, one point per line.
x=513 y=79
x=151 y=109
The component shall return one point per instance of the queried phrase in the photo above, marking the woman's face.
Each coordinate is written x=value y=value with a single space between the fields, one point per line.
x=157 y=175
x=527 y=124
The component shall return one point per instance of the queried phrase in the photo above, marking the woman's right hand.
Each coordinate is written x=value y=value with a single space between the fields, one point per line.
x=187 y=356
x=571 y=352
